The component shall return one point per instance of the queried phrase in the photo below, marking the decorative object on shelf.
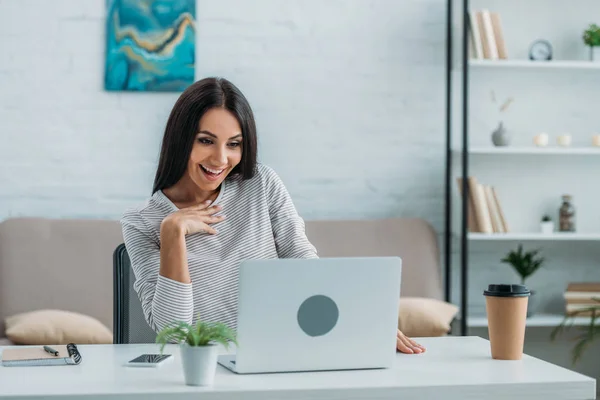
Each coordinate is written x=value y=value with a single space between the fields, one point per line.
x=541 y=140
x=564 y=140
x=540 y=50
x=525 y=264
x=547 y=225
x=596 y=140
x=500 y=136
x=199 y=349
x=591 y=37
x=566 y=215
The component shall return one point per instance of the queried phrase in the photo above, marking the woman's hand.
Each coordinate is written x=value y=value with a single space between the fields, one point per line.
x=407 y=345
x=193 y=219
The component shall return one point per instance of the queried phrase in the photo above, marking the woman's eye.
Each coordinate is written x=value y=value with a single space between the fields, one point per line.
x=204 y=141
x=234 y=144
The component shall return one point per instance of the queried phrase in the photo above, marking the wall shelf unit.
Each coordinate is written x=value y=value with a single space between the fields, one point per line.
x=556 y=236
x=537 y=320
x=532 y=151
x=491 y=162
x=558 y=64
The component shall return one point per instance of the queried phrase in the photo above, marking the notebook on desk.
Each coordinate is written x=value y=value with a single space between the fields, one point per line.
x=32 y=356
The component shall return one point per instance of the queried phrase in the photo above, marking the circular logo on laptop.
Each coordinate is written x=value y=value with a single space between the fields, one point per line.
x=318 y=315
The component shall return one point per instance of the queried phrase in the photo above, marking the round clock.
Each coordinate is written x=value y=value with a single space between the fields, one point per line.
x=540 y=50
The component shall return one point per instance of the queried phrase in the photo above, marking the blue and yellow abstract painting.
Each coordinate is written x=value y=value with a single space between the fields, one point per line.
x=150 y=45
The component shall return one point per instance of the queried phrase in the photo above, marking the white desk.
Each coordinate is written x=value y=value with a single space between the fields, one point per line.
x=452 y=368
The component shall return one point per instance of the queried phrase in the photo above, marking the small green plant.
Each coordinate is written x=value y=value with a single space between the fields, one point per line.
x=546 y=218
x=591 y=36
x=200 y=334
x=589 y=332
x=525 y=264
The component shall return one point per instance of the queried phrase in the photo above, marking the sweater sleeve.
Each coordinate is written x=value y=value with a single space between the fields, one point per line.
x=288 y=226
x=163 y=300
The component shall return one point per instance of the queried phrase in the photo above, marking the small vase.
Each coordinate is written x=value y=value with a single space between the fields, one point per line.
x=500 y=136
x=547 y=227
x=595 y=53
x=199 y=364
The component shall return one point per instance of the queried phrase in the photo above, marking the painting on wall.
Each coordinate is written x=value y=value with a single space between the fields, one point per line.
x=150 y=45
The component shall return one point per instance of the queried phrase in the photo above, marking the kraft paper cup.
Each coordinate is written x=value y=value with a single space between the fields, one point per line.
x=506 y=308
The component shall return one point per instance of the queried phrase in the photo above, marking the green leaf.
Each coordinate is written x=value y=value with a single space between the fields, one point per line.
x=200 y=334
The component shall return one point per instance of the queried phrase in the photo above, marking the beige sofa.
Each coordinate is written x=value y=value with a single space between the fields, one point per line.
x=66 y=264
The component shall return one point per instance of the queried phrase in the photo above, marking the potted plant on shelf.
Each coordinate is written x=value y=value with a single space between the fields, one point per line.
x=198 y=344
x=547 y=225
x=589 y=331
x=525 y=264
x=591 y=37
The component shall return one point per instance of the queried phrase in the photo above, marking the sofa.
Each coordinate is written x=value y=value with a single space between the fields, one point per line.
x=67 y=265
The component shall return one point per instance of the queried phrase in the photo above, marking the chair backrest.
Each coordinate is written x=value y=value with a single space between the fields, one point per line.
x=129 y=323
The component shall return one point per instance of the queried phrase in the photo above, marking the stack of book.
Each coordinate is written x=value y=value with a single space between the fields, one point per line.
x=486 y=38
x=485 y=214
x=582 y=296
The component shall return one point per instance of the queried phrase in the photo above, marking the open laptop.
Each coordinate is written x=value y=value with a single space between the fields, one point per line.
x=316 y=314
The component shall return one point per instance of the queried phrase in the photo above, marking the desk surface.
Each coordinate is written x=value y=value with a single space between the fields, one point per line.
x=452 y=368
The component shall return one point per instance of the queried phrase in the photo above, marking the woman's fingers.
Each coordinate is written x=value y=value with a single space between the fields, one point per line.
x=401 y=346
x=407 y=345
x=417 y=345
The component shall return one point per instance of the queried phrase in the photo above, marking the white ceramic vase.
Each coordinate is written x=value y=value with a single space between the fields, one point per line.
x=199 y=364
x=547 y=227
x=595 y=53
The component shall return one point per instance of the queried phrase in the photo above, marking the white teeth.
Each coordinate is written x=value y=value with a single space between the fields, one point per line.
x=214 y=171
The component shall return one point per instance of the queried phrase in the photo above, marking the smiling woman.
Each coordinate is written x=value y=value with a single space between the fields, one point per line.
x=212 y=206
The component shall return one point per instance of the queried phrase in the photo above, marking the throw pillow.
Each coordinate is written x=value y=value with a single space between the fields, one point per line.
x=56 y=327
x=421 y=317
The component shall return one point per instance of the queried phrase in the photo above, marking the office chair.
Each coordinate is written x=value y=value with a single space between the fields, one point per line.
x=129 y=323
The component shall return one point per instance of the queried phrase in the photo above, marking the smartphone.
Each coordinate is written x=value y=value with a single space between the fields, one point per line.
x=149 y=360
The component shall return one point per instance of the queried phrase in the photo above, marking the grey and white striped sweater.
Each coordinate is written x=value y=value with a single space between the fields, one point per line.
x=261 y=222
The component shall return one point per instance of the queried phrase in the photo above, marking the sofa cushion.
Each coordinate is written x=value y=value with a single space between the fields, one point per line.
x=56 y=327
x=425 y=317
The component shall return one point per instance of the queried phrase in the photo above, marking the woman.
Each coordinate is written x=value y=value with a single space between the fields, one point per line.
x=212 y=206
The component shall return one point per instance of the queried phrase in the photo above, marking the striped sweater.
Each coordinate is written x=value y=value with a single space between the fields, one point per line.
x=261 y=222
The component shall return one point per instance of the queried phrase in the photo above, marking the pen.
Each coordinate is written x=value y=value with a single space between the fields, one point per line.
x=51 y=350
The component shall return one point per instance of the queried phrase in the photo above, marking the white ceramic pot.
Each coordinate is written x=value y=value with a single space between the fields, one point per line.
x=595 y=53
x=547 y=227
x=199 y=364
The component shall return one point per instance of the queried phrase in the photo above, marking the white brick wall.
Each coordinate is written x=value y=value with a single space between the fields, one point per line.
x=348 y=97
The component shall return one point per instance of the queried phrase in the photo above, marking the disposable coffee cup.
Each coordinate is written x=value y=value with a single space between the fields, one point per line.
x=506 y=308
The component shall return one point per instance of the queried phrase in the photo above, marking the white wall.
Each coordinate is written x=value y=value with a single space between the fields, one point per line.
x=348 y=98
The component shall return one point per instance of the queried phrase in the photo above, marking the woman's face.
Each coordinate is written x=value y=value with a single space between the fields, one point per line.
x=217 y=149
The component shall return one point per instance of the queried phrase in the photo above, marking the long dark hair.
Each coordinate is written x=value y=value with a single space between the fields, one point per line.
x=182 y=127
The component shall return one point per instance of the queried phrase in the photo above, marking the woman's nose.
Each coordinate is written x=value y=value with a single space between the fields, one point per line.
x=221 y=156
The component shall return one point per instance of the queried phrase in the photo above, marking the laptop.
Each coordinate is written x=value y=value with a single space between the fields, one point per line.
x=316 y=315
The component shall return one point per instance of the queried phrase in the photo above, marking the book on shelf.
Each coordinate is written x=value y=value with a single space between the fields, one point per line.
x=581 y=296
x=485 y=214
x=486 y=36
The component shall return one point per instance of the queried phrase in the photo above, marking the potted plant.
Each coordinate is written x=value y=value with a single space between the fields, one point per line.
x=591 y=37
x=525 y=264
x=547 y=225
x=199 y=347
x=588 y=332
